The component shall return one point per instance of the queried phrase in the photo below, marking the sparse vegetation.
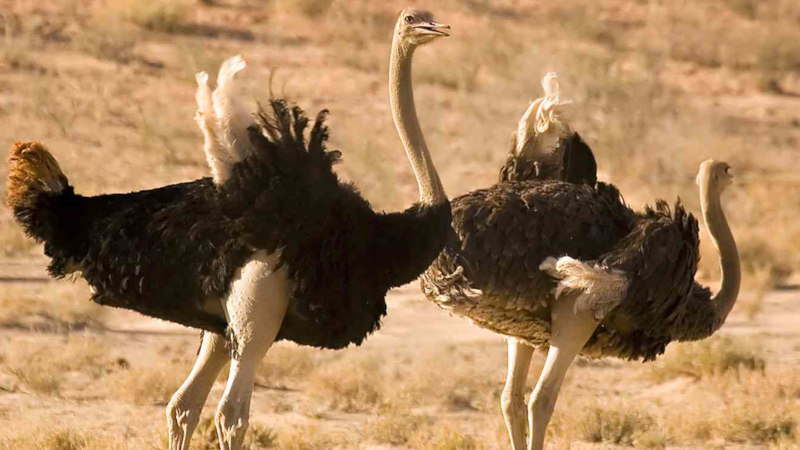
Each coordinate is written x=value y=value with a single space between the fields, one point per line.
x=620 y=425
x=309 y=8
x=348 y=383
x=59 y=439
x=205 y=438
x=395 y=427
x=658 y=87
x=155 y=15
x=707 y=357
x=42 y=367
x=64 y=307
x=149 y=385
x=754 y=423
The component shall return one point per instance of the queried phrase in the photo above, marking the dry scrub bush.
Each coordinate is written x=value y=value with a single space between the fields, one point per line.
x=155 y=15
x=755 y=422
x=449 y=379
x=361 y=380
x=351 y=383
x=402 y=427
x=396 y=427
x=106 y=39
x=58 y=439
x=443 y=437
x=708 y=357
x=309 y=437
x=312 y=9
x=59 y=307
x=41 y=366
x=206 y=438
x=620 y=424
x=13 y=241
x=148 y=385
x=743 y=406
x=286 y=364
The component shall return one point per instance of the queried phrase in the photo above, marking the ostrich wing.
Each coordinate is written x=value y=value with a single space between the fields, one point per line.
x=503 y=233
x=659 y=257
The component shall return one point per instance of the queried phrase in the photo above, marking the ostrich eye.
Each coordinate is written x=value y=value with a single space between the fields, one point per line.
x=409 y=19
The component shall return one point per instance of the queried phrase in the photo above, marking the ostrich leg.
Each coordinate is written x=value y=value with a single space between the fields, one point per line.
x=183 y=410
x=512 y=400
x=569 y=333
x=255 y=308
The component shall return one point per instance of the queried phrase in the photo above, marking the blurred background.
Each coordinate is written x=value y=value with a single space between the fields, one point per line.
x=657 y=86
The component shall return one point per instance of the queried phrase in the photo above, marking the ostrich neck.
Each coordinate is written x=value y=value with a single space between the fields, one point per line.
x=723 y=240
x=404 y=113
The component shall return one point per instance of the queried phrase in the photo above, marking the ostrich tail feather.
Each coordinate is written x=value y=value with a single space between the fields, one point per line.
x=599 y=290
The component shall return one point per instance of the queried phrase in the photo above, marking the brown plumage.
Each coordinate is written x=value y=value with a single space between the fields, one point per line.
x=550 y=258
x=548 y=204
x=31 y=170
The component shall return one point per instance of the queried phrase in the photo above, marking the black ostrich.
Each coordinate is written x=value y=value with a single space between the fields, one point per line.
x=565 y=264
x=273 y=247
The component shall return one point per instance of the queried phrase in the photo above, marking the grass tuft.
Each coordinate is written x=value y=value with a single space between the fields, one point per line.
x=257 y=437
x=59 y=439
x=620 y=425
x=41 y=366
x=148 y=385
x=167 y=16
x=705 y=358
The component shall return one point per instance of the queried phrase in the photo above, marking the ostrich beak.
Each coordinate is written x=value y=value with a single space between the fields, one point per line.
x=433 y=28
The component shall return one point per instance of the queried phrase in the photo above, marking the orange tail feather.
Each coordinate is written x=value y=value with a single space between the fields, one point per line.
x=32 y=170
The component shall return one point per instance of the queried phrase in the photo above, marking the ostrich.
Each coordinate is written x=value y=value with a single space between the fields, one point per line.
x=272 y=247
x=570 y=267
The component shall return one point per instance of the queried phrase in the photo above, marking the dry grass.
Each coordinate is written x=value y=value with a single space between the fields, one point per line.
x=41 y=367
x=59 y=439
x=156 y=15
x=12 y=240
x=709 y=357
x=746 y=406
x=309 y=437
x=658 y=88
x=348 y=383
x=753 y=422
x=148 y=385
x=403 y=427
x=621 y=424
x=309 y=8
x=395 y=427
x=63 y=307
x=649 y=132
x=205 y=437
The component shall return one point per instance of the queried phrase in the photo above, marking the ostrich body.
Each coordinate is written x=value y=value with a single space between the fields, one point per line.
x=569 y=267
x=273 y=247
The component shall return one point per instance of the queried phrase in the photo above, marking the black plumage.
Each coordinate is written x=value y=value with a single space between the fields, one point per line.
x=165 y=252
x=489 y=270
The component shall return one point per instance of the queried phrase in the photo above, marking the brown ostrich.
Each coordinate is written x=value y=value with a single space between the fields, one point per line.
x=552 y=259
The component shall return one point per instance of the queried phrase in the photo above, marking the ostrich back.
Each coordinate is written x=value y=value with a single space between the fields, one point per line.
x=489 y=269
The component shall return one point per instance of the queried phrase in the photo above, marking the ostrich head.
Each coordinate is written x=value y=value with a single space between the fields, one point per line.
x=716 y=175
x=415 y=27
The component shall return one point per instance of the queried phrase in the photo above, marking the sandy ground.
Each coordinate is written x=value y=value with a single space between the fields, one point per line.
x=412 y=325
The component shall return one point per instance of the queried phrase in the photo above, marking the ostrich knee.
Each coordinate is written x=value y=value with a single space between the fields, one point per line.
x=512 y=400
x=512 y=403
x=513 y=407
x=182 y=419
x=185 y=406
x=540 y=408
x=232 y=421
